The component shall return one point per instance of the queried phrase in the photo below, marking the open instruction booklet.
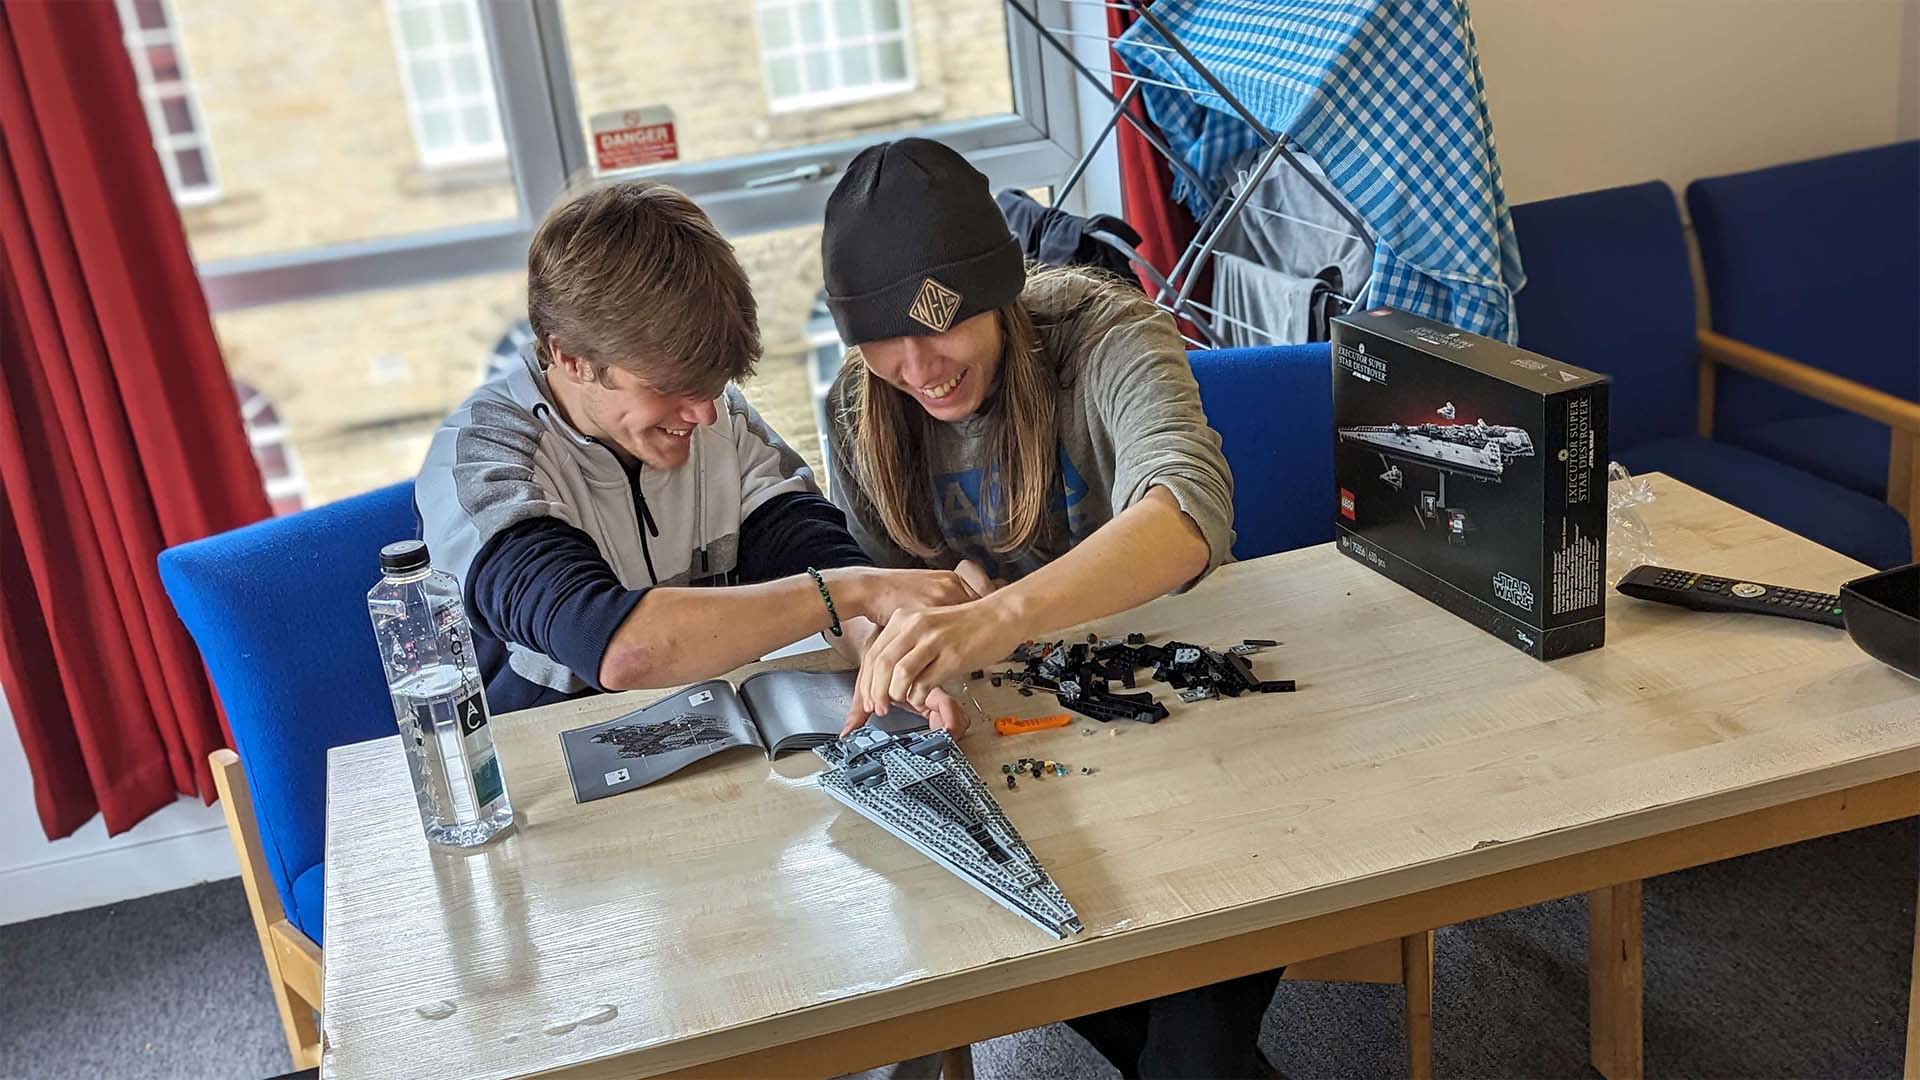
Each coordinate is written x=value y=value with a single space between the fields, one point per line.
x=776 y=711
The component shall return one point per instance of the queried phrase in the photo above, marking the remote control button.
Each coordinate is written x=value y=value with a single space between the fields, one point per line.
x=1748 y=590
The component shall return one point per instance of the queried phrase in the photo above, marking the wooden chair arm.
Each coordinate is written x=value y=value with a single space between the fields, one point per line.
x=1802 y=378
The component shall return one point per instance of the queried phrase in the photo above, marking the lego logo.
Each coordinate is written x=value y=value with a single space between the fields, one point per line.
x=1346 y=504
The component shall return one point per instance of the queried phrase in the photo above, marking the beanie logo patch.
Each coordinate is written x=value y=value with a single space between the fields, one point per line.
x=934 y=306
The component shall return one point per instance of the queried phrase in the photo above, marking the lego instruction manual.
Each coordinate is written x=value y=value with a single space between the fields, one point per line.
x=776 y=711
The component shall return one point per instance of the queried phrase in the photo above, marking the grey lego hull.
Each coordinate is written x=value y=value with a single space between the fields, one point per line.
x=920 y=788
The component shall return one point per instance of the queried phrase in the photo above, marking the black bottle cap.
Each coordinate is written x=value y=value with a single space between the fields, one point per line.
x=404 y=557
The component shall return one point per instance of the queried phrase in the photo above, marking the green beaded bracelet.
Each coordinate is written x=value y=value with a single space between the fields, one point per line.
x=828 y=597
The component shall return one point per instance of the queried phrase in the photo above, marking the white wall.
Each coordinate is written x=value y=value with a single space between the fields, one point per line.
x=181 y=845
x=1586 y=95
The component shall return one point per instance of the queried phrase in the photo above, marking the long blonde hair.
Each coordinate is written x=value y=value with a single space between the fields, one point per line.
x=889 y=430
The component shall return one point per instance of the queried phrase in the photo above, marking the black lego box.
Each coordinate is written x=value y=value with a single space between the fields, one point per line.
x=1475 y=474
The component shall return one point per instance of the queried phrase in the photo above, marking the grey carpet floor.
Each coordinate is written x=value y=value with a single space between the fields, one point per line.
x=1788 y=963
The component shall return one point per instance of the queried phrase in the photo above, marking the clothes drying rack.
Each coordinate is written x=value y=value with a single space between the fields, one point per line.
x=1173 y=287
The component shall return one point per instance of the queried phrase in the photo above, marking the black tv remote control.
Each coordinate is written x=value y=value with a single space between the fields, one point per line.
x=1705 y=592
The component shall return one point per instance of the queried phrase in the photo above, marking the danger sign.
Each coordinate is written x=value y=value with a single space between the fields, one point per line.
x=632 y=138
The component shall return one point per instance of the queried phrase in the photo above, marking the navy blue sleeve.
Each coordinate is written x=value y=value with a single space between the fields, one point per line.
x=791 y=532
x=543 y=584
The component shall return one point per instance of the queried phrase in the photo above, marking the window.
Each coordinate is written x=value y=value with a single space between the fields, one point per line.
x=272 y=452
x=368 y=290
x=815 y=53
x=173 y=112
x=448 y=80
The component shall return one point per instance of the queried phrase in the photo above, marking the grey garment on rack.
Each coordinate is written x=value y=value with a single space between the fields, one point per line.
x=1258 y=305
x=1289 y=226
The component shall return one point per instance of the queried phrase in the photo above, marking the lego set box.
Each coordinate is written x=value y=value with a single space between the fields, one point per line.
x=1475 y=474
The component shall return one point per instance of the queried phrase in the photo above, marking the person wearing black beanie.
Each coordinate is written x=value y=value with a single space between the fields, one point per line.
x=1043 y=424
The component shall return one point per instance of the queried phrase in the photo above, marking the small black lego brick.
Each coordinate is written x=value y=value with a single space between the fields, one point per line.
x=1269 y=642
x=1025 y=692
x=1010 y=782
x=1037 y=770
x=977 y=675
x=1277 y=686
x=995 y=680
x=1136 y=639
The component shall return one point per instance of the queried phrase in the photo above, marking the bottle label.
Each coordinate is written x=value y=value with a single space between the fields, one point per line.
x=472 y=772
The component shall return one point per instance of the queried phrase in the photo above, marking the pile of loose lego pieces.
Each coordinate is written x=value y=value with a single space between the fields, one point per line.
x=1037 y=768
x=1082 y=675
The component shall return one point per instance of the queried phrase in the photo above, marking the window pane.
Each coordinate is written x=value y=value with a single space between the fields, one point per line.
x=272 y=459
x=429 y=80
x=164 y=62
x=365 y=166
x=479 y=125
x=710 y=64
x=150 y=14
x=849 y=18
x=466 y=75
x=178 y=116
x=783 y=77
x=192 y=165
x=856 y=66
x=813 y=28
x=819 y=71
x=886 y=14
x=776 y=28
x=784 y=267
x=416 y=25
x=315 y=360
x=893 y=62
x=436 y=130
x=455 y=27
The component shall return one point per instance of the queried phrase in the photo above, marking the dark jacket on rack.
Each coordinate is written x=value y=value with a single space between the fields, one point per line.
x=1052 y=236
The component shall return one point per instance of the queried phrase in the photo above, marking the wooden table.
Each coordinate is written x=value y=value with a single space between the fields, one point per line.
x=735 y=921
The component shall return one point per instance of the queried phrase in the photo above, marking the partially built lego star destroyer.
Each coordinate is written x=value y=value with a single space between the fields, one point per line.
x=919 y=787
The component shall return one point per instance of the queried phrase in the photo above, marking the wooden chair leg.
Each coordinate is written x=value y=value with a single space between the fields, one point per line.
x=1417 y=962
x=293 y=962
x=1613 y=980
x=957 y=1063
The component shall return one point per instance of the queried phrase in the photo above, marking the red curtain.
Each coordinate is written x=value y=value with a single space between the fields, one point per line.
x=1146 y=180
x=119 y=433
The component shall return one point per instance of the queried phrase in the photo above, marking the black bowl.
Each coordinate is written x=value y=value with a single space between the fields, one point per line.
x=1882 y=612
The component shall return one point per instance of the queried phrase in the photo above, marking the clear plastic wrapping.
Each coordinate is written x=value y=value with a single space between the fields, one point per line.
x=1630 y=541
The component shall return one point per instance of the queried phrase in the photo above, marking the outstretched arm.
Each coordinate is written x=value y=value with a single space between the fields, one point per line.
x=1150 y=549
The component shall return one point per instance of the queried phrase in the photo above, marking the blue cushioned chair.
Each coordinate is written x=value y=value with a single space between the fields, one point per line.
x=279 y=612
x=1813 y=274
x=1273 y=408
x=1608 y=288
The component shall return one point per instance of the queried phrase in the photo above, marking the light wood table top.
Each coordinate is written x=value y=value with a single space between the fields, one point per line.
x=735 y=907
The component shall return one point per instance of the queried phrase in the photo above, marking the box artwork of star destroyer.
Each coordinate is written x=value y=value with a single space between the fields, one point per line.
x=1473 y=473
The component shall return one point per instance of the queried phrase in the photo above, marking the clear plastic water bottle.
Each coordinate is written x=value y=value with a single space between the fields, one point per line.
x=427 y=648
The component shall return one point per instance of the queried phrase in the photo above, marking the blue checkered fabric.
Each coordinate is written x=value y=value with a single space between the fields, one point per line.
x=1386 y=96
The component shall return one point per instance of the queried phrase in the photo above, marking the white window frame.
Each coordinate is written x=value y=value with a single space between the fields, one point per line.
x=165 y=142
x=831 y=44
x=408 y=53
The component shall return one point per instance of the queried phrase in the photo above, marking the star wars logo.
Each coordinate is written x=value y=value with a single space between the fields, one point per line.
x=1512 y=590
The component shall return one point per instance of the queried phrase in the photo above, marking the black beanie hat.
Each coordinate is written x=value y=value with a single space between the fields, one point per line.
x=914 y=244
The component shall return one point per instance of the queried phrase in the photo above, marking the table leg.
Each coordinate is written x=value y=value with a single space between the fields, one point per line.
x=1613 y=980
x=957 y=1063
x=1417 y=968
